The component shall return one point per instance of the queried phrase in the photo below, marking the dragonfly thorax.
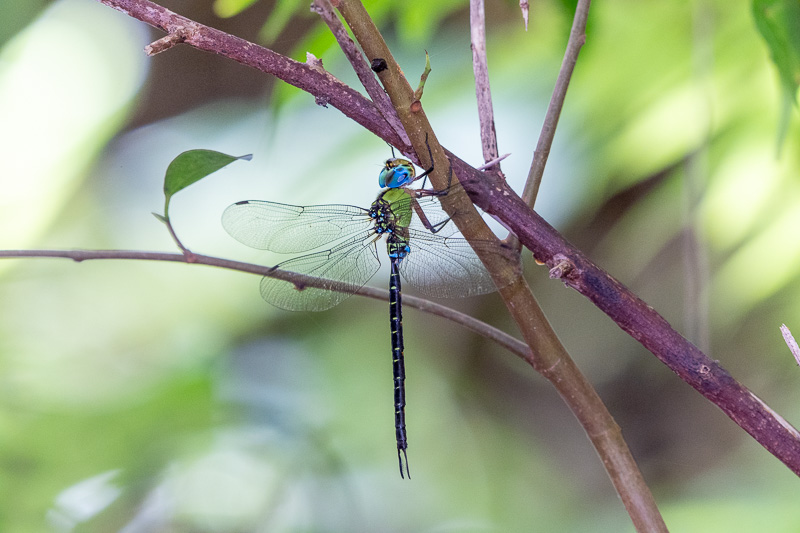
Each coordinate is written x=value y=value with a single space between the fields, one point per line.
x=396 y=172
x=381 y=213
x=391 y=214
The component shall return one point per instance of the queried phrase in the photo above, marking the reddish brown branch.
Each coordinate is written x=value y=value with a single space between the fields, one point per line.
x=481 y=328
x=323 y=86
x=362 y=69
x=634 y=316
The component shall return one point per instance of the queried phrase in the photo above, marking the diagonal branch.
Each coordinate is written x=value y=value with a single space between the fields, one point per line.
x=635 y=317
x=483 y=93
x=577 y=37
x=362 y=70
x=322 y=85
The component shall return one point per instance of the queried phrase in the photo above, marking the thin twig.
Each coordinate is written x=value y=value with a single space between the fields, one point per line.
x=483 y=93
x=187 y=253
x=168 y=223
x=577 y=37
x=791 y=343
x=523 y=6
x=365 y=75
x=481 y=328
x=423 y=78
x=493 y=162
x=165 y=43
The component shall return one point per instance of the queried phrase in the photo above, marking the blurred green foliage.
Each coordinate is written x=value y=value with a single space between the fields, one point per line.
x=16 y=15
x=779 y=24
x=231 y=8
x=160 y=397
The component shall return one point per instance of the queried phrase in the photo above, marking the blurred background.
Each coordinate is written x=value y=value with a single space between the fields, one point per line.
x=167 y=397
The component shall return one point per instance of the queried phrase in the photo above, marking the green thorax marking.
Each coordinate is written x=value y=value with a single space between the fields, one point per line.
x=395 y=205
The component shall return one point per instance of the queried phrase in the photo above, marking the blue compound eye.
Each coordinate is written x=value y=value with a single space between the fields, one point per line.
x=396 y=173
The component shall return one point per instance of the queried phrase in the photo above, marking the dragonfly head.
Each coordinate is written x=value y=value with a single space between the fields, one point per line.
x=396 y=173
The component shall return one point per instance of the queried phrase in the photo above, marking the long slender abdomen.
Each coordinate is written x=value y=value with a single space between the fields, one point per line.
x=398 y=367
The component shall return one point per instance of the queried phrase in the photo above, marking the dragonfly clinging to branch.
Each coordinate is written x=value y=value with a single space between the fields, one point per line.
x=421 y=243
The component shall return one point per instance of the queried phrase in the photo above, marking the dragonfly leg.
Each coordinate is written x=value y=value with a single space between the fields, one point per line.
x=433 y=192
x=433 y=228
x=419 y=193
x=430 y=158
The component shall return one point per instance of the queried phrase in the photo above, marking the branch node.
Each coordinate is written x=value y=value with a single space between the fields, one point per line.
x=493 y=162
x=423 y=78
x=562 y=268
x=315 y=63
x=168 y=41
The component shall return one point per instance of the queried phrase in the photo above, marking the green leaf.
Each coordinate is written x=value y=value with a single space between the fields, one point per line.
x=194 y=165
x=229 y=8
x=778 y=21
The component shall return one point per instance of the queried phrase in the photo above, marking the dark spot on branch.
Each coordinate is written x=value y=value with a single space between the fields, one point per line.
x=598 y=288
x=378 y=65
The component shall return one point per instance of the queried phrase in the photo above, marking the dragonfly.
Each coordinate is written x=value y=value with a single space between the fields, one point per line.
x=422 y=247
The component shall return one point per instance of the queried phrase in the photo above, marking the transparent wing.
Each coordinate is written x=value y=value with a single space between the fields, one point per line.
x=443 y=264
x=447 y=267
x=347 y=266
x=287 y=228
